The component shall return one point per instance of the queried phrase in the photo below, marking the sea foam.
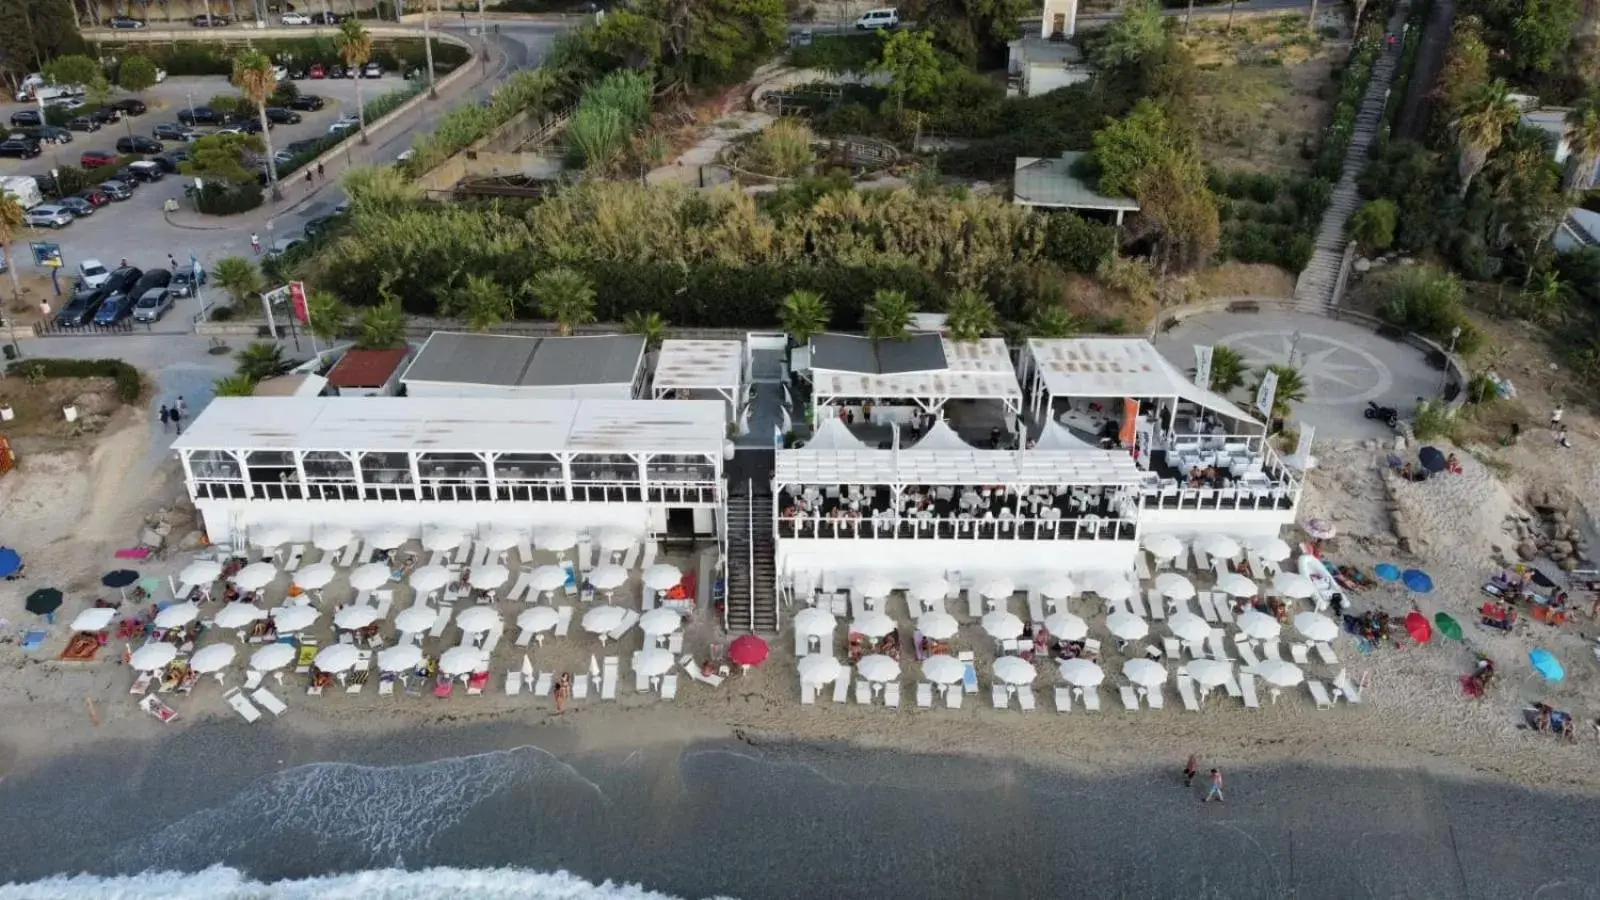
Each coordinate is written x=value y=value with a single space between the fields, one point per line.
x=222 y=883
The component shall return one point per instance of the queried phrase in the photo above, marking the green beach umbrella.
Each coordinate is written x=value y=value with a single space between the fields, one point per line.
x=1448 y=627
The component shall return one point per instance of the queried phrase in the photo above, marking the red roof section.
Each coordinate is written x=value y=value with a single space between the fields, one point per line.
x=366 y=368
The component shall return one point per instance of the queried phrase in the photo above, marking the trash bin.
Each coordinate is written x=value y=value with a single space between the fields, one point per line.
x=9 y=351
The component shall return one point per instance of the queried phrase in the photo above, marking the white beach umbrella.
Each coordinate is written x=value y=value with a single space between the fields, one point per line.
x=1164 y=546
x=177 y=615
x=1058 y=587
x=996 y=587
x=399 y=658
x=602 y=618
x=315 y=576
x=370 y=577
x=548 y=578
x=1066 y=626
x=416 y=619
x=212 y=658
x=1144 y=672
x=289 y=619
x=1316 y=627
x=878 y=668
x=271 y=536
x=654 y=663
x=607 y=577
x=815 y=622
x=272 y=657
x=937 y=625
x=1259 y=625
x=1218 y=545
x=463 y=661
x=1110 y=585
x=333 y=539
x=1001 y=625
x=1081 y=673
x=660 y=577
x=556 y=539
x=544 y=618
x=872 y=584
x=239 y=615
x=336 y=658
x=873 y=624
x=1014 y=670
x=502 y=540
x=1210 y=672
x=1293 y=585
x=1126 y=625
x=1186 y=626
x=932 y=589
x=1175 y=586
x=94 y=619
x=614 y=539
x=662 y=620
x=1272 y=549
x=353 y=617
x=1278 y=673
x=443 y=539
x=942 y=669
x=388 y=538
x=151 y=657
x=201 y=571
x=487 y=578
x=478 y=619
x=1237 y=585
x=255 y=576
x=431 y=578
x=819 y=669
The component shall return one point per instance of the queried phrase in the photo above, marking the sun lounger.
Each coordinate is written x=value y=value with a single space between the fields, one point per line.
x=608 y=678
x=999 y=696
x=351 y=553
x=974 y=604
x=1025 y=698
x=1344 y=686
x=649 y=557
x=1172 y=647
x=891 y=695
x=924 y=695
x=1136 y=605
x=1247 y=656
x=952 y=697
x=1325 y=653
x=839 y=604
x=641 y=681
x=864 y=693
x=841 y=686
x=1319 y=693
x=523 y=588
x=1157 y=604
x=1219 y=645
x=441 y=622
x=570 y=588
x=482 y=556
x=580 y=688
x=1224 y=607
x=297 y=553
x=1091 y=699
x=542 y=686
x=629 y=619
x=801 y=644
x=1195 y=649
x=1091 y=647
x=563 y=620
x=808 y=694
x=242 y=705
x=1063 y=699
x=1035 y=608
x=1130 y=699
x=1207 y=611
x=308 y=653
x=675 y=643
x=1247 y=688
x=269 y=701
x=524 y=637
x=513 y=682
x=669 y=686
x=492 y=639
x=969 y=680
x=1156 y=697
x=158 y=709
x=386 y=684
x=1141 y=567
x=630 y=557
x=1232 y=686
x=141 y=685
x=1269 y=651
x=1187 y=694
x=525 y=553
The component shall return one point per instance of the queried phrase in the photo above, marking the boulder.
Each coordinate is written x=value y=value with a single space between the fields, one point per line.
x=1527 y=550
x=1562 y=547
x=1568 y=564
x=1363 y=265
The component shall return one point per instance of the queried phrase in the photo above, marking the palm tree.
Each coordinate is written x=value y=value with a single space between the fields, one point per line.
x=1291 y=388
x=969 y=316
x=1227 y=369
x=1485 y=116
x=888 y=315
x=236 y=385
x=240 y=278
x=261 y=359
x=564 y=296
x=326 y=316
x=13 y=218
x=1583 y=144
x=382 y=326
x=648 y=324
x=482 y=300
x=803 y=315
x=1545 y=297
x=354 y=46
x=254 y=76
x=1053 y=323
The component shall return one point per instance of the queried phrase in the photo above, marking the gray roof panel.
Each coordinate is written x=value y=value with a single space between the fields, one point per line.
x=602 y=359
x=843 y=353
x=917 y=353
x=505 y=360
x=852 y=353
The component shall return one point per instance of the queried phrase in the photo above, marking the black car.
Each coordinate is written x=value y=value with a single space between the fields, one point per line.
x=206 y=21
x=297 y=73
x=182 y=282
x=153 y=278
x=336 y=71
x=326 y=18
x=115 y=308
x=83 y=123
x=138 y=144
x=252 y=126
x=48 y=134
x=105 y=115
x=203 y=115
x=172 y=131
x=116 y=190
x=21 y=148
x=280 y=116
x=304 y=101
x=133 y=106
x=82 y=306
x=124 y=22
x=78 y=206
x=314 y=226
x=26 y=117
x=167 y=162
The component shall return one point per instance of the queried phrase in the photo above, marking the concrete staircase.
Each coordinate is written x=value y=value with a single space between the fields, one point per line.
x=752 y=599
x=1317 y=281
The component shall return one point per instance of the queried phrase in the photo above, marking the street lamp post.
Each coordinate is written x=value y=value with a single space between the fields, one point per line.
x=1444 y=371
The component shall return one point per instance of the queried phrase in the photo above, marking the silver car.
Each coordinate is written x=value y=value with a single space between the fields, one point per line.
x=153 y=305
x=48 y=216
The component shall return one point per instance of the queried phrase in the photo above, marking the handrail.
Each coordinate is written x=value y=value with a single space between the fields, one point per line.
x=750 y=548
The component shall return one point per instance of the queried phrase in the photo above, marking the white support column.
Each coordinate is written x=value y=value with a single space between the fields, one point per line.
x=300 y=472
x=355 y=469
x=186 y=458
x=488 y=470
x=243 y=458
x=416 y=472
x=639 y=460
x=566 y=474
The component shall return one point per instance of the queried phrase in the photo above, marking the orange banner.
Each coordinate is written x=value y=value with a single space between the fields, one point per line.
x=1130 y=418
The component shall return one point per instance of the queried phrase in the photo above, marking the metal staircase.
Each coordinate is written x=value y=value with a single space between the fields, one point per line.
x=752 y=604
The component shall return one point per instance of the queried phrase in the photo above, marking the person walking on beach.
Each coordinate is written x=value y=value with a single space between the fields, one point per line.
x=1216 y=787
x=166 y=417
x=177 y=419
x=182 y=406
x=1555 y=417
x=563 y=688
x=1189 y=770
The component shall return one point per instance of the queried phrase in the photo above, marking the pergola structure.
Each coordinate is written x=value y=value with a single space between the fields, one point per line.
x=887 y=381
x=1098 y=368
x=700 y=370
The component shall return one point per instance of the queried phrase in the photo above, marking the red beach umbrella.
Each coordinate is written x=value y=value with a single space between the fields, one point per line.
x=748 y=651
x=1417 y=625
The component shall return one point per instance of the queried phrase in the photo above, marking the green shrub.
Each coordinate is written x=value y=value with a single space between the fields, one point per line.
x=222 y=313
x=217 y=199
x=840 y=52
x=1374 y=223
x=129 y=385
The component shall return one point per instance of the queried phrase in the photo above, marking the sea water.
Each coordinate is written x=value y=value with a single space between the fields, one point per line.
x=221 y=883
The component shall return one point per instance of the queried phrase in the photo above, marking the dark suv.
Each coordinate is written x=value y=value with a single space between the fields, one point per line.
x=280 y=116
x=48 y=134
x=205 y=21
x=202 y=115
x=306 y=102
x=138 y=144
x=21 y=148
x=26 y=117
x=83 y=307
x=172 y=131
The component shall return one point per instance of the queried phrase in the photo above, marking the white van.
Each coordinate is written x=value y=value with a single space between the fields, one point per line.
x=874 y=19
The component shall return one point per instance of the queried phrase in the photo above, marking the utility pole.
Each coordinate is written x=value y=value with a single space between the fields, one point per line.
x=427 y=46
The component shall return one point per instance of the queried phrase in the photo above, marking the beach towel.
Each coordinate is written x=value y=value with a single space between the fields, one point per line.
x=33 y=638
x=133 y=553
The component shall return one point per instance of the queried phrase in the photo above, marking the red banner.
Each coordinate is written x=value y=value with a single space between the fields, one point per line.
x=297 y=298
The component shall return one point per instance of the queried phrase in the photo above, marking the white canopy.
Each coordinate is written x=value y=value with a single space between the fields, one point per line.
x=255 y=576
x=1278 y=673
x=442 y=539
x=212 y=658
x=1186 y=626
x=1055 y=436
x=1013 y=670
x=659 y=577
x=937 y=625
x=1316 y=628
x=177 y=615
x=833 y=434
x=489 y=577
x=238 y=615
x=399 y=658
x=1164 y=546
x=431 y=578
x=151 y=657
x=1174 y=586
x=1126 y=625
x=602 y=618
x=272 y=657
x=942 y=437
x=654 y=663
x=819 y=669
x=502 y=540
x=463 y=660
x=607 y=577
x=1058 y=587
x=333 y=538
x=1210 y=672
x=556 y=539
x=416 y=619
x=815 y=622
x=94 y=619
x=1116 y=367
x=1217 y=545
x=1273 y=549
x=1081 y=673
x=996 y=587
x=698 y=365
x=336 y=658
x=544 y=618
x=878 y=668
x=1237 y=585
x=1144 y=672
x=873 y=585
x=1110 y=585
x=548 y=578
x=942 y=669
x=271 y=536
x=615 y=539
x=1259 y=625
x=201 y=571
x=873 y=624
x=353 y=617
x=1066 y=626
x=388 y=538
x=289 y=619
x=1293 y=585
x=315 y=576
x=478 y=619
x=1002 y=625
x=370 y=577
x=659 y=621
x=932 y=589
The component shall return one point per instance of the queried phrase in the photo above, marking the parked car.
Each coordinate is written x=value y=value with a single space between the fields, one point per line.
x=280 y=116
x=183 y=281
x=93 y=272
x=95 y=197
x=27 y=117
x=78 y=206
x=336 y=71
x=280 y=73
x=124 y=22
x=372 y=70
x=21 y=148
x=152 y=305
x=116 y=189
x=173 y=131
x=152 y=278
x=343 y=124
x=145 y=170
x=106 y=115
x=83 y=123
x=315 y=226
x=168 y=162
x=94 y=159
x=114 y=308
x=132 y=106
x=306 y=102
x=202 y=115
x=138 y=144
x=250 y=126
x=47 y=134
x=874 y=19
x=284 y=245
x=81 y=308
x=294 y=18
x=317 y=71
x=210 y=21
x=48 y=215
x=282 y=158
x=326 y=18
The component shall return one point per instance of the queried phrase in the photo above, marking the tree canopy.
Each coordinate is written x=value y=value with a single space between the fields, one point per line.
x=221 y=157
x=913 y=66
x=136 y=73
x=968 y=29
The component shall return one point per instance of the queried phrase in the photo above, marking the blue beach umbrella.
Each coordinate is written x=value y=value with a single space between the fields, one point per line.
x=10 y=562
x=1387 y=572
x=1545 y=663
x=1416 y=580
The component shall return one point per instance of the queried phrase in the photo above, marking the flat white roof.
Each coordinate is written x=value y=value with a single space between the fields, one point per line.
x=700 y=365
x=977 y=370
x=457 y=425
x=1118 y=367
x=975 y=467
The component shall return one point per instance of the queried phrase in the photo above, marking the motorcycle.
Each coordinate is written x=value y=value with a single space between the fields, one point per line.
x=1386 y=414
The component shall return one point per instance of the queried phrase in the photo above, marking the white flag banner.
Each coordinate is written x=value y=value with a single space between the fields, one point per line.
x=1267 y=393
x=1302 y=447
x=1202 y=366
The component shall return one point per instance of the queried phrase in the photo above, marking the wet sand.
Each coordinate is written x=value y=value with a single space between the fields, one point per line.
x=756 y=819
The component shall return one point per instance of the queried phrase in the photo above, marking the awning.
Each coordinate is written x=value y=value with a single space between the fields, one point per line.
x=942 y=437
x=833 y=434
x=1056 y=436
